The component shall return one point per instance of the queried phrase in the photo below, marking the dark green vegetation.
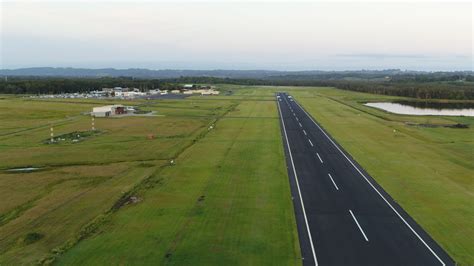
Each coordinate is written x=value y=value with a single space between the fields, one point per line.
x=456 y=90
x=438 y=104
x=116 y=198
x=421 y=85
x=39 y=85
x=456 y=87
x=32 y=237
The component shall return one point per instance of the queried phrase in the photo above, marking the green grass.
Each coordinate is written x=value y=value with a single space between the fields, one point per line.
x=30 y=121
x=56 y=204
x=214 y=193
x=226 y=201
x=78 y=182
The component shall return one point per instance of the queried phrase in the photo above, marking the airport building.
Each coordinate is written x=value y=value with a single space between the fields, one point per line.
x=110 y=110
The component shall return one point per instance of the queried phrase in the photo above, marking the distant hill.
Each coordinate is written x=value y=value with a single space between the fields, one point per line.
x=172 y=73
x=135 y=72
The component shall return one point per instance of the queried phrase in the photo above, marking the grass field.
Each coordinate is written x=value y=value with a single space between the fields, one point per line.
x=226 y=199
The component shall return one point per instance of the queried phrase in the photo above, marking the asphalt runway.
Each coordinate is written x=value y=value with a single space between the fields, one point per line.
x=343 y=216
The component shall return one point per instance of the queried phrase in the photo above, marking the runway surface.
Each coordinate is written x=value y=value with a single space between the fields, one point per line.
x=344 y=217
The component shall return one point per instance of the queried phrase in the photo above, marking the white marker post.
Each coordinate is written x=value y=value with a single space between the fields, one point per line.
x=93 y=124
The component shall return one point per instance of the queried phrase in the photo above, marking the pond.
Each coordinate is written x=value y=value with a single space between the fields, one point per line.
x=425 y=108
x=26 y=169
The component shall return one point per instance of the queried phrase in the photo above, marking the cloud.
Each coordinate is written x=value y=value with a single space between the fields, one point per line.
x=238 y=34
x=384 y=55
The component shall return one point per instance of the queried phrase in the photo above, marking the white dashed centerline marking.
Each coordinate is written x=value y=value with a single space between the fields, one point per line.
x=376 y=190
x=358 y=225
x=319 y=158
x=298 y=187
x=310 y=142
x=297 y=119
x=334 y=183
x=300 y=124
x=305 y=132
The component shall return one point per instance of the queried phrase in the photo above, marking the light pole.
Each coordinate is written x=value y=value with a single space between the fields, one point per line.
x=52 y=133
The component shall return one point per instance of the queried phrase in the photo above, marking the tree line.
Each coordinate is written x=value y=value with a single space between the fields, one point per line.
x=426 y=89
x=36 y=85
x=421 y=86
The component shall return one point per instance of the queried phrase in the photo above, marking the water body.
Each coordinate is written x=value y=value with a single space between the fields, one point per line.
x=26 y=169
x=425 y=108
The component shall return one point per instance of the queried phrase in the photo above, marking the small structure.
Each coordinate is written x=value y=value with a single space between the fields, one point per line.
x=208 y=92
x=109 y=110
x=154 y=92
x=133 y=94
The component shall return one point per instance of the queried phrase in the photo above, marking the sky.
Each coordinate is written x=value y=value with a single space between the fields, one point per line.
x=306 y=35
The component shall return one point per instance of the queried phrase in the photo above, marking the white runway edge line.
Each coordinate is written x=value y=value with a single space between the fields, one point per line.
x=334 y=183
x=358 y=225
x=310 y=143
x=298 y=186
x=376 y=190
x=321 y=160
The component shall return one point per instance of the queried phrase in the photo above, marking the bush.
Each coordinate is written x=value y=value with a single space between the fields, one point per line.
x=32 y=237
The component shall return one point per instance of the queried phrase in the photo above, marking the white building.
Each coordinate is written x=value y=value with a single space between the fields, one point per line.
x=132 y=94
x=209 y=92
x=109 y=110
x=154 y=92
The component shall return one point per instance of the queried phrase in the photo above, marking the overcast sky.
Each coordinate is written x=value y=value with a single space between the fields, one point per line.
x=237 y=35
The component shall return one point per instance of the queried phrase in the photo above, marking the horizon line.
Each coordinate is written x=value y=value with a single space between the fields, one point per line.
x=233 y=69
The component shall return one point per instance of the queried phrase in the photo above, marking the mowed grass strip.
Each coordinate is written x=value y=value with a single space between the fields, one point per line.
x=59 y=205
x=120 y=139
x=428 y=171
x=81 y=183
x=226 y=201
